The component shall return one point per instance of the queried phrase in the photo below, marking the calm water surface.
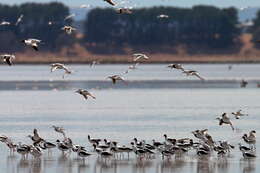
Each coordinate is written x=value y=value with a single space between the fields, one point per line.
x=122 y=114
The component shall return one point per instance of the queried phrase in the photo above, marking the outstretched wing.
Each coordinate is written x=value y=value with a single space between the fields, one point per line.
x=197 y=75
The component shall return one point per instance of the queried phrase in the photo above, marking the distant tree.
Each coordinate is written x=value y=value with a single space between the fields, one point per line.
x=200 y=26
x=34 y=25
x=256 y=30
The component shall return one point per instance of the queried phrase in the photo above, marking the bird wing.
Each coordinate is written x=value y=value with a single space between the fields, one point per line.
x=201 y=78
x=110 y=2
x=53 y=68
x=8 y=61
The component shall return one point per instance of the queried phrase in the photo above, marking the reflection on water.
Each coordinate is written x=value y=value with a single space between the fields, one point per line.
x=96 y=165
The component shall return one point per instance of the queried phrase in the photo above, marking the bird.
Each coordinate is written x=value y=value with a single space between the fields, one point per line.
x=56 y=66
x=62 y=146
x=82 y=152
x=7 y=58
x=131 y=67
x=5 y=23
x=248 y=155
x=84 y=6
x=85 y=93
x=170 y=140
x=176 y=66
x=124 y=11
x=68 y=29
x=34 y=43
x=59 y=130
x=193 y=73
x=200 y=134
x=110 y=2
x=138 y=56
x=35 y=138
x=243 y=148
x=238 y=114
x=116 y=78
x=48 y=145
x=251 y=138
x=93 y=141
x=225 y=120
x=19 y=20
x=69 y=16
x=162 y=16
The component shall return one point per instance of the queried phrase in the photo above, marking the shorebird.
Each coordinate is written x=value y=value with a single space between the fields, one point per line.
x=238 y=114
x=48 y=145
x=162 y=16
x=176 y=66
x=82 y=153
x=56 y=66
x=36 y=152
x=93 y=141
x=5 y=23
x=85 y=93
x=248 y=155
x=170 y=140
x=225 y=120
x=62 y=146
x=193 y=73
x=243 y=148
x=68 y=29
x=251 y=138
x=34 y=43
x=23 y=149
x=19 y=20
x=138 y=56
x=116 y=78
x=4 y=138
x=131 y=67
x=59 y=130
x=200 y=134
x=110 y=2
x=124 y=11
x=7 y=58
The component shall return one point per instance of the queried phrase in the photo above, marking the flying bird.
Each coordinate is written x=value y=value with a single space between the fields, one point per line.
x=68 y=29
x=138 y=56
x=60 y=66
x=110 y=2
x=176 y=66
x=34 y=43
x=116 y=78
x=5 y=23
x=85 y=93
x=69 y=16
x=162 y=16
x=224 y=119
x=19 y=20
x=7 y=58
x=238 y=114
x=193 y=73
x=132 y=67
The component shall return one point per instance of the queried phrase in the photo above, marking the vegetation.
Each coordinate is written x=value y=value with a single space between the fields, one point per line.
x=204 y=27
x=35 y=24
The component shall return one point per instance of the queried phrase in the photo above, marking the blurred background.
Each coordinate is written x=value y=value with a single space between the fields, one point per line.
x=195 y=31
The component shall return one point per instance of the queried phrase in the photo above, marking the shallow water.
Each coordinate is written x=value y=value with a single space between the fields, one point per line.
x=122 y=114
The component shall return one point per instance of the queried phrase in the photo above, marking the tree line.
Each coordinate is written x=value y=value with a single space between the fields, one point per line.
x=197 y=29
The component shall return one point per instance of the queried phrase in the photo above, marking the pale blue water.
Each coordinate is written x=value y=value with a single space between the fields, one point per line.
x=124 y=113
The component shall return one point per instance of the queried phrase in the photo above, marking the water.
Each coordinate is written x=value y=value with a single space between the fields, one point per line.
x=122 y=113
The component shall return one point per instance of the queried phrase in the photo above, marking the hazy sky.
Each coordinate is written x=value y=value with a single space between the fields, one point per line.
x=182 y=3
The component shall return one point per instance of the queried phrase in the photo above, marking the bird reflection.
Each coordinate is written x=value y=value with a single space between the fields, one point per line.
x=247 y=165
